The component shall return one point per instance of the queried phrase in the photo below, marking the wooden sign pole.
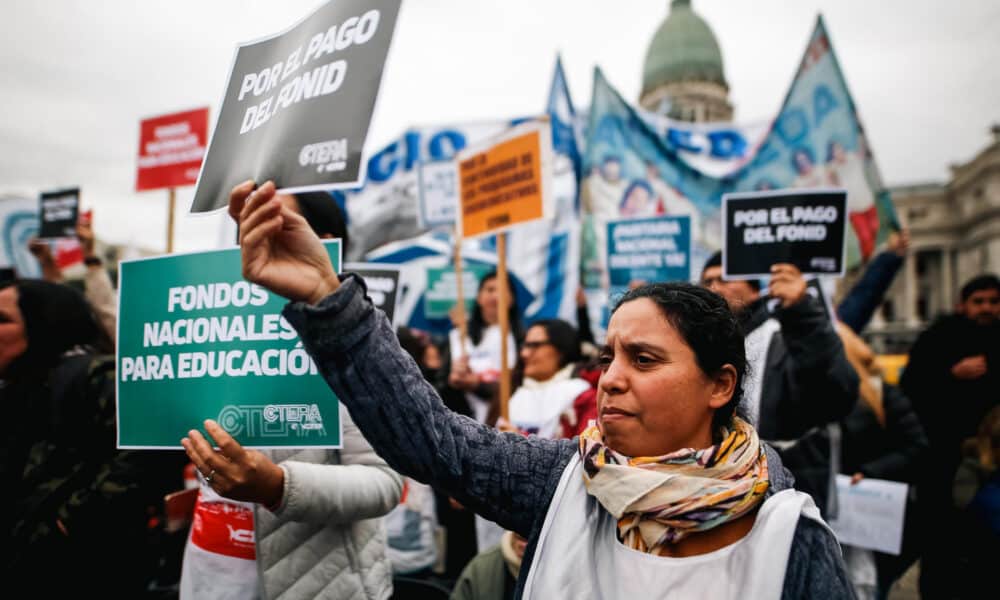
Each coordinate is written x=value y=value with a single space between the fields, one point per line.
x=463 y=324
x=503 y=302
x=172 y=202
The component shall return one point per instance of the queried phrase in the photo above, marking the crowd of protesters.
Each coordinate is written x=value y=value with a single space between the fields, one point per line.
x=710 y=414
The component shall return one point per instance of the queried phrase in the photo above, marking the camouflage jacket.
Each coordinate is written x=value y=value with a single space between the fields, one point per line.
x=76 y=491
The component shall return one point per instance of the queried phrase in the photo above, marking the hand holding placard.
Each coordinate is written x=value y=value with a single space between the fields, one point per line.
x=787 y=284
x=235 y=472
x=279 y=249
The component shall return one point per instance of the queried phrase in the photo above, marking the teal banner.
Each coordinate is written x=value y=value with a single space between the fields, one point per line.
x=442 y=289
x=196 y=341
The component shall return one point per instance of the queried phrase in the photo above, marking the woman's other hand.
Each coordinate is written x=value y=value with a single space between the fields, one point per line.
x=233 y=471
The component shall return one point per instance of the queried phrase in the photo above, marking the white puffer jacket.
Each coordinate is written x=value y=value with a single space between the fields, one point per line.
x=326 y=540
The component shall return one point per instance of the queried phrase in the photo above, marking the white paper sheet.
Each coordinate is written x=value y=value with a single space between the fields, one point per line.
x=870 y=514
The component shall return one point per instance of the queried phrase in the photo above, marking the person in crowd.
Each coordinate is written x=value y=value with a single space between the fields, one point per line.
x=881 y=439
x=800 y=381
x=492 y=575
x=651 y=499
x=953 y=379
x=97 y=286
x=551 y=401
x=475 y=361
x=75 y=510
x=865 y=296
x=301 y=523
x=977 y=495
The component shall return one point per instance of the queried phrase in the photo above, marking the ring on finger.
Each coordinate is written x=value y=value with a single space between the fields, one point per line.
x=208 y=478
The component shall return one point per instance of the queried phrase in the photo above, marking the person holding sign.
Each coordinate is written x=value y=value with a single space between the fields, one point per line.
x=475 y=362
x=262 y=517
x=672 y=372
x=800 y=378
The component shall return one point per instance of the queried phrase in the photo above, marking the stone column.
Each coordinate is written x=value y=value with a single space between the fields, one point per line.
x=947 y=281
x=909 y=312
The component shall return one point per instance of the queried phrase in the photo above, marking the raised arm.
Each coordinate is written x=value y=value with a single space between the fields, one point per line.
x=504 y=477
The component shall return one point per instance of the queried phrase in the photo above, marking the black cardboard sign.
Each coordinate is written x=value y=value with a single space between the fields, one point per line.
x=803 y=227
x=58 y=212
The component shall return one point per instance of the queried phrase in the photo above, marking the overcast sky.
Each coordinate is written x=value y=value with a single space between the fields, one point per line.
x=78 y=76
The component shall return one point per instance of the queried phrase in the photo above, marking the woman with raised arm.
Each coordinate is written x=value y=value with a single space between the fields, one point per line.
x=670 y=494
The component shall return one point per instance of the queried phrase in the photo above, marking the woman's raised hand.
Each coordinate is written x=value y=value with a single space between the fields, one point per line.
x=280 y=251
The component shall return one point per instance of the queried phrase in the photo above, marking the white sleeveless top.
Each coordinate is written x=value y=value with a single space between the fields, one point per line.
x=579 y=555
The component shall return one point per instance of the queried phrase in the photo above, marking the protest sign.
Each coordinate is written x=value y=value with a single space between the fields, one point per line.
x=383 y=285
x=656 y=249
x=170 y=149
x=801 y=227
x=58 y=212
x=870 y=514
x=504 y=183
x=298 y=105
x=196 y=341
x=442 y=288
x=438 y=193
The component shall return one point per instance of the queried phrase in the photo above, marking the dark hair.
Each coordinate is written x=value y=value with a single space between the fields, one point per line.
x=324 y=215
x=477 y=325
x=716 y=261
x=706 y=324
x=57 y=318
x=413 y=342
x=988 y=281
x=563 y=337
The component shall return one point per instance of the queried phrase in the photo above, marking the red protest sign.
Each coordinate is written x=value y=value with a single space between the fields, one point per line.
x=170 y=149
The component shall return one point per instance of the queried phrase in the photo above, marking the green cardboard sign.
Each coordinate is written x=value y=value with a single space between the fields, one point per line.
x=196 y=341
x=442 y=289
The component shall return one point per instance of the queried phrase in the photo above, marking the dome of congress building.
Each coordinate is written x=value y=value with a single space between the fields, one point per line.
x=683 y=76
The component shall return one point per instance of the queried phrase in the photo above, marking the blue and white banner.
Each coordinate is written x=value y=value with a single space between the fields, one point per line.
x=404 y=216
x=638 y=165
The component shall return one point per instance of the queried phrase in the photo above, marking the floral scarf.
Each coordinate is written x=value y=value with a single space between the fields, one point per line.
x=660 y=500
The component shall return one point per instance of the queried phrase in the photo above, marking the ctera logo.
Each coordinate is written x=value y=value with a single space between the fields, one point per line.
x=305 y=415
x=328 y=156
x=271 y=420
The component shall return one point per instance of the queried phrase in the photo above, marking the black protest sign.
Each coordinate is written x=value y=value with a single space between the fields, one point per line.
x=57 y=213
x=298 y=105
x=801 y=227
x=382 y=282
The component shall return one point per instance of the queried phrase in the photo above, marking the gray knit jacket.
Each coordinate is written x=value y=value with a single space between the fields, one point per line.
x=505 y=477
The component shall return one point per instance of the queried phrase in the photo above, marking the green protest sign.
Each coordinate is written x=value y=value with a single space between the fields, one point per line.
x=196 y=341
x=442 y=288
